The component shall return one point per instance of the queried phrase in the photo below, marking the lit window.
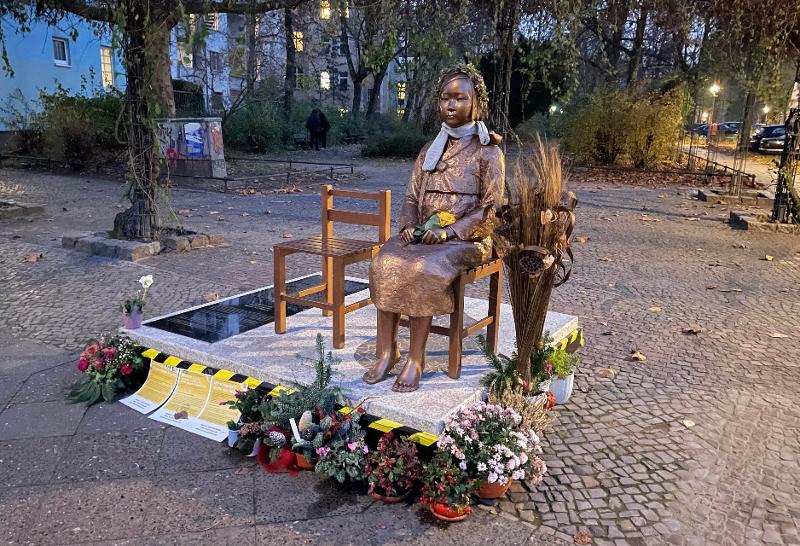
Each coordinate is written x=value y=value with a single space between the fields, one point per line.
x=345 y=7
x=401 y=91
x=400 y=111
x=107 y=66
x=325 y=80
x=298 y=40
x=325 y=9
x=212 y=21
x=61 y=51
x=343 y=78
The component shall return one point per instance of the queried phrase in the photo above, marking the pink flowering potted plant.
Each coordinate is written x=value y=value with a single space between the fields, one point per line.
x=132 y=308
x=488 y=443
x=108 y=365
x=340 y=448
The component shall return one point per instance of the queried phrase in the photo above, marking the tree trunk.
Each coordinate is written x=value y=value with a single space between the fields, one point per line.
x=143 y=55
x=290 y=81
x=356 y=109
x=506 y=19
x=376 y=89
x=159 y=36
x=635 y=64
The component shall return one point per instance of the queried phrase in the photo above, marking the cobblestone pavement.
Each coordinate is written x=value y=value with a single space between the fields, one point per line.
x=699 y=444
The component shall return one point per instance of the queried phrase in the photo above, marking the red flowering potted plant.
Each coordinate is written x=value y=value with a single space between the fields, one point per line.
x=392 y=469
x=446 y=488
x=108 y=365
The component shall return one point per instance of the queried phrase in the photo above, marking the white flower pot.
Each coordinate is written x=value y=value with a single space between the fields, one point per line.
x=562 y=388
x=233 y=435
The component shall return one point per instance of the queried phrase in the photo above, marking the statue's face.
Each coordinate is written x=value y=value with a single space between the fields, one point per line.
x=455 y=102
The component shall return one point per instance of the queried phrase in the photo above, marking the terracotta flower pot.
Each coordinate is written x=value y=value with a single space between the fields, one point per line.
x=387 y=499
x=493 y=490
x=447 y=513
x=303 y=463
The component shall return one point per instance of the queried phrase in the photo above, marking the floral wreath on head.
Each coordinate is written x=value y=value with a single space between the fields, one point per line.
x=468 y=70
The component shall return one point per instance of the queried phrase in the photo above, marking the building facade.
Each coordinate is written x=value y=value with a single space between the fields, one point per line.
x=48 y=56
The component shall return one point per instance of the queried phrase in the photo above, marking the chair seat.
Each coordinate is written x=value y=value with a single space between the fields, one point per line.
x=332 y=247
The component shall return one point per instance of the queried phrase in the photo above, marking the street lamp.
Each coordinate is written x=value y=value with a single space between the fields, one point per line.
x=715 y=88
x=553 y=108
x=711 y=131
x=704 y=116
x=765 y=110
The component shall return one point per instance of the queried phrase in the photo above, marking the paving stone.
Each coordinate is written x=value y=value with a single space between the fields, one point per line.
x=40 y=420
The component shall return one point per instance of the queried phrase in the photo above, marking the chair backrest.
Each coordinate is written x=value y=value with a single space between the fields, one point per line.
x=381 y=219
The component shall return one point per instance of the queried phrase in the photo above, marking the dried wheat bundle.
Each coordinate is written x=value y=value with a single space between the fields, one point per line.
x=533 y=239
x=534 y=415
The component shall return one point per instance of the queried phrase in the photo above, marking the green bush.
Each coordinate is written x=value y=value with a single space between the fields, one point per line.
x=80 y=129
x=258 y=127
x=403 y=142
x=624 y=127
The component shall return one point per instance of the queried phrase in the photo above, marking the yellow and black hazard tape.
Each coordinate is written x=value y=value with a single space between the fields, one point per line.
x=570 y=343
x=573 y=341
x=372 y=422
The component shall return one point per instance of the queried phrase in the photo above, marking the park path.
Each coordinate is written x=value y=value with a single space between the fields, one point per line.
x=699 y=444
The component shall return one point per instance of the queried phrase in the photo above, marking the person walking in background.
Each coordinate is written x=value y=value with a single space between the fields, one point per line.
x=325 y=126
x=313 y=124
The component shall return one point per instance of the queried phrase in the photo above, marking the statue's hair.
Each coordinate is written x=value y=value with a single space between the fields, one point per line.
x=469 y=71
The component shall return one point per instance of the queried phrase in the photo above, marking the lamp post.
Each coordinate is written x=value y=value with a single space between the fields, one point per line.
x=765 y=110
x=712 y=130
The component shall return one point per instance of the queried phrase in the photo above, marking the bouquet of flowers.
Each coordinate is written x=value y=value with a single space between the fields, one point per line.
x=437 y=221
x=108 y=365
x=490 y=445
x=340 y=446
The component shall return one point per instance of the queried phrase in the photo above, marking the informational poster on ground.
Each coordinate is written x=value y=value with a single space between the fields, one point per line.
x=212 y=421
x=187 y=400
x=157 y=388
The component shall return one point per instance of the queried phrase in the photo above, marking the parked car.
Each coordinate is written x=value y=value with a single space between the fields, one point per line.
x=699 y=129
x=769 y=139
x=729 y=127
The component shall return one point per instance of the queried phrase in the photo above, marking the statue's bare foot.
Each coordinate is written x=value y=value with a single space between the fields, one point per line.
x=408 y=380
x=384 y=364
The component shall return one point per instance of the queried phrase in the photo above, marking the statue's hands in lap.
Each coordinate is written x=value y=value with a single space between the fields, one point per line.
x=434 y=236
x=407 y=235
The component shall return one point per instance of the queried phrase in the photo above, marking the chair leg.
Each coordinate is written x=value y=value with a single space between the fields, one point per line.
x=338 y=303
x=279 y=290
x=456 y=330
x=495 y=299
x=327 y=278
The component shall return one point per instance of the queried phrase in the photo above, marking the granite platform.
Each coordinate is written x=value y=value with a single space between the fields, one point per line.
x=246 y=343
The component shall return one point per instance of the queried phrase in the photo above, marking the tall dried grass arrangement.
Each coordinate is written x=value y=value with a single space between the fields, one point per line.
x=533 y=240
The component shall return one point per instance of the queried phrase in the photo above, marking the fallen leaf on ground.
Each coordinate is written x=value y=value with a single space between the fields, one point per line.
x=730 y=289
x=637 y=356
x=604 y=259
x=33 y=258
x=183 y=211
x=688 y=423
x=692 y=330
x=211 y=296
x=181 y=415
x=711 y=287
x=609 y=333
x=582 y=239
x=655 y=309
x=287 y=235
x=740 y=245
x=777 y=334
x=608 y=373
x=768 y=258
x=583 y=538
x=245 y=214
x=253 y=262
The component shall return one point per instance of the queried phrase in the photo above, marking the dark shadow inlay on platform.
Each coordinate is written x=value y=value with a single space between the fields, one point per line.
x=226 y=318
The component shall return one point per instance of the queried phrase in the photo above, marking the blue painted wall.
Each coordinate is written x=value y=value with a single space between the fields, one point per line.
x=32 y=59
